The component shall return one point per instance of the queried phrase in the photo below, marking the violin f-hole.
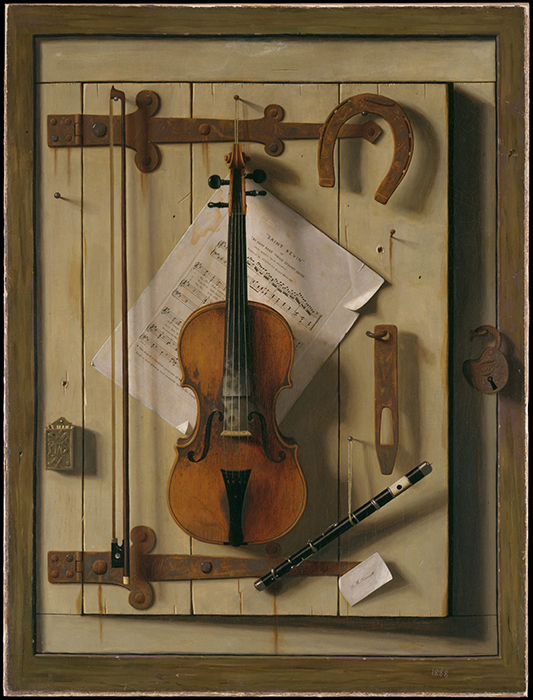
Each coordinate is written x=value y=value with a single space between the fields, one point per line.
x=264 y=437
x=207 y=438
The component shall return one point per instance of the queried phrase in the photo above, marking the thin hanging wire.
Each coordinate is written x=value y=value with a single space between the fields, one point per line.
x=236 y=120
x=236 y=282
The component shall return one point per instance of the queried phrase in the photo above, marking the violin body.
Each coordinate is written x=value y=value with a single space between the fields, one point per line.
x=236 y=480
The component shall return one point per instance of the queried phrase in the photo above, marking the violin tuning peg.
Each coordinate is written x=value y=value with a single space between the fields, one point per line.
x=256 y=193
x=257 y=176
x=217 y=205
x=215 y=182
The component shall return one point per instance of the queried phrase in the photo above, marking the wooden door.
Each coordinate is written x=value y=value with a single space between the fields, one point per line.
x=75 y=510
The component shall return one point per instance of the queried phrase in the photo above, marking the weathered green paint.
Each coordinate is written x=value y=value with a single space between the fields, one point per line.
x=29 y=672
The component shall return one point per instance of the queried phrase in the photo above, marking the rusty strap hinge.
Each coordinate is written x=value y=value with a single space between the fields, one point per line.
x=144 y=131
x=65 y=566
x=95 y=567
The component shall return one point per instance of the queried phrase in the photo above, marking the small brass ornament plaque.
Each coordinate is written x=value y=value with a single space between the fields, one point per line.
x=60 y=445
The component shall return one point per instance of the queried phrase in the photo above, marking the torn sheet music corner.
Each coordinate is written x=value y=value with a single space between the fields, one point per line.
x=316 y=285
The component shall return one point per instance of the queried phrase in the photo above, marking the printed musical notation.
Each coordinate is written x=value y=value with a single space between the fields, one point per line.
x=273 y=291
x=277 y=293
x=287 y=260
x=199 y=287
x=157 y=344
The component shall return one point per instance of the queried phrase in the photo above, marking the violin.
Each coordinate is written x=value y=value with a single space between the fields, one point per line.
x=236 y=480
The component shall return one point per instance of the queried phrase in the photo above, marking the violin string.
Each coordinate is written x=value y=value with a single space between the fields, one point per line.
x=226 y=399
x=239 y=315
x=239 y=291
x=245 y=329
x=237 y=219
x=235 y=304
x=242 y=250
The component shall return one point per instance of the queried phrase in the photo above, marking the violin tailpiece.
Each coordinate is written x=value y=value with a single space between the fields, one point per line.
x=236 y=481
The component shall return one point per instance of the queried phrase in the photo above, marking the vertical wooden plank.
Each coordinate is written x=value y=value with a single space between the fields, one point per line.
x=158 y=213
x=59 y=343
x=473 y=552
x=313 y=421
x=412 y=534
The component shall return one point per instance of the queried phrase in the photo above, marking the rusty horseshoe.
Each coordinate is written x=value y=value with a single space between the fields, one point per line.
x=401 y=129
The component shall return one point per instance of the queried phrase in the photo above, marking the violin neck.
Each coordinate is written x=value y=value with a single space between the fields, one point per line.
x=237 y=352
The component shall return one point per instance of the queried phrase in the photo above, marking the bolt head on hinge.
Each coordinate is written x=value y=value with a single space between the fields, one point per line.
x=99 y=129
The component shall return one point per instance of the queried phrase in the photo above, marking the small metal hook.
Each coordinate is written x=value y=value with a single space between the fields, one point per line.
x=377 y=336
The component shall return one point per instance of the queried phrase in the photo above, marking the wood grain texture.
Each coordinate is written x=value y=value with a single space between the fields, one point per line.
x=296 y=636
x=473 y=289
x=411 y=536
x=25 y=670
x=60 y=332
x=312 y=421
x=285 y=59
x=151 y=438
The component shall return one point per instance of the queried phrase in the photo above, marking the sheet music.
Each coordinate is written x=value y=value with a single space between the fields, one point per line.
x=316 y=285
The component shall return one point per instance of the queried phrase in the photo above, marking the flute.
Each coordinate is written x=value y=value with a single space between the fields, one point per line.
x=341 y=527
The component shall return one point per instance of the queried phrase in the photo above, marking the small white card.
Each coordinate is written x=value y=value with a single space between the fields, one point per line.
x=364 y=579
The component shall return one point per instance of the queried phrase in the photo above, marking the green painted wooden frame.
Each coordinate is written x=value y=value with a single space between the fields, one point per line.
x=28 y=671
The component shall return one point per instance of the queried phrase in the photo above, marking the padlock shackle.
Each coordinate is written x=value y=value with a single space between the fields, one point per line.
x=483 y=330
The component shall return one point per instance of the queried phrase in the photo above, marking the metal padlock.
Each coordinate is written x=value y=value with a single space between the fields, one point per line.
x=490 y=372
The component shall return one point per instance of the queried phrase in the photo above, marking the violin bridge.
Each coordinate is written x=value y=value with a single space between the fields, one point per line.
x=236 y=409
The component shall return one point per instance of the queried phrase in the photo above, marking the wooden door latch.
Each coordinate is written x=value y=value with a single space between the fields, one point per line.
x=386 y=417
x=144 y=131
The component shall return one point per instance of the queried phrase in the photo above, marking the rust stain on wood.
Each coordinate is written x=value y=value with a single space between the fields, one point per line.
x=205 y=156
x=74 y=288
x=275 y=614
x=101 y=612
